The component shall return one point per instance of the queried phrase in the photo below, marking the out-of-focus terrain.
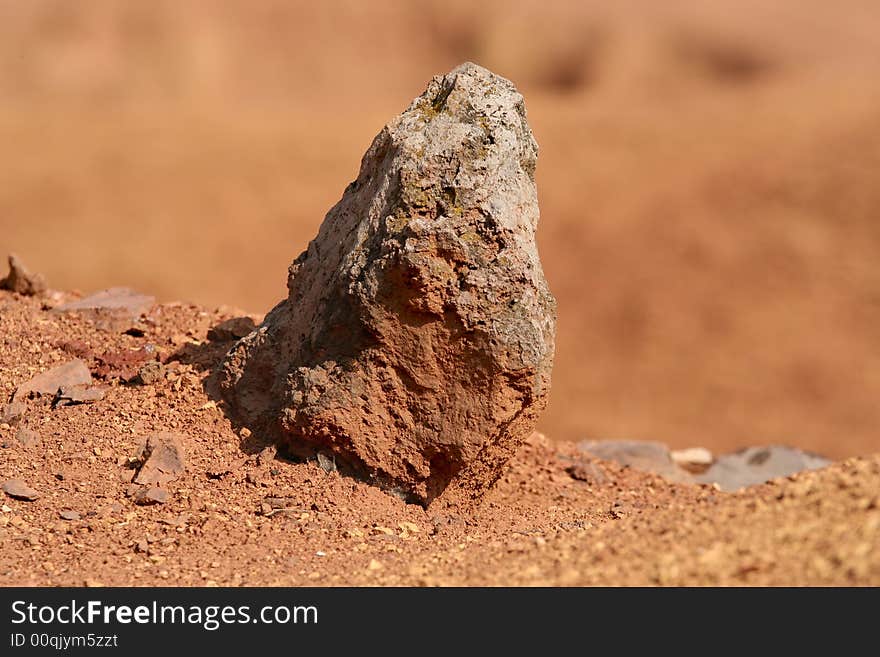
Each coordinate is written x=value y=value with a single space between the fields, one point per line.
x=709 y=180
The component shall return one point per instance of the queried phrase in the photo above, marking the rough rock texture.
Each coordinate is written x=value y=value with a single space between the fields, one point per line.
x=416 y=343
x=20 y=280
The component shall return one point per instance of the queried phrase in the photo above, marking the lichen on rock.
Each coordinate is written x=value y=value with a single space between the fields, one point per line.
x=417 y=338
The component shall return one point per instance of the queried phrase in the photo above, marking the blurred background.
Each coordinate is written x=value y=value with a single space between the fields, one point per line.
x=709 y=180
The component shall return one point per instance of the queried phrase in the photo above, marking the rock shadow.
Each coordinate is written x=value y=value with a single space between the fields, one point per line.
x=207 y=357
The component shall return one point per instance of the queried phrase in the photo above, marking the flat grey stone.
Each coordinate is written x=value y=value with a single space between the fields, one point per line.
x=648 y=456
x=758 y=465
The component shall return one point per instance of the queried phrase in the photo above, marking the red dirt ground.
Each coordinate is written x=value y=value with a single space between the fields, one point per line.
x=243 y=515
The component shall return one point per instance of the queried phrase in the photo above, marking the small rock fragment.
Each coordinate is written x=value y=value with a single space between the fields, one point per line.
x=150 y=495
x=67 y=514
x=231 y=329
x=78 y=394
x=49 y=382
x=281 y=503
x=694 y=459
x=28 y=439
x=150 y=373
x=110 y=509
x=638 y=454
x=326 y=463
x=587 y=472
x=19 y=490
x=757 y=465
x=164 y=459
x=13 y=411
x=21 y=281
x=115 y=309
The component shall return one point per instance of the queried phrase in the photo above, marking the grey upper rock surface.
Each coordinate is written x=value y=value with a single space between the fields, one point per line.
x=417 y=339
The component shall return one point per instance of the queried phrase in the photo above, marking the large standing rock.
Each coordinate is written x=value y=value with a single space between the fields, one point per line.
x=416 y=342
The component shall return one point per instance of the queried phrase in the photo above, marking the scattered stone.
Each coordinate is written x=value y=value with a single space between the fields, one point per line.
x=19 y=490
x=116 y=309
x=78 y=394
x=163 y=459
x=589 y=473
x=757 y=465
x=231 y=329
x=326 y=463
x=150 y=373
x=13 y=411
x=28 y=439
x=147 y=495
x=114 y=508
x=20 y=280
x=277 y=502
x=417 y=339
x=695 y=460
x=49 y=382
x=638 y=454
x=68 y=515
x=77 y=348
